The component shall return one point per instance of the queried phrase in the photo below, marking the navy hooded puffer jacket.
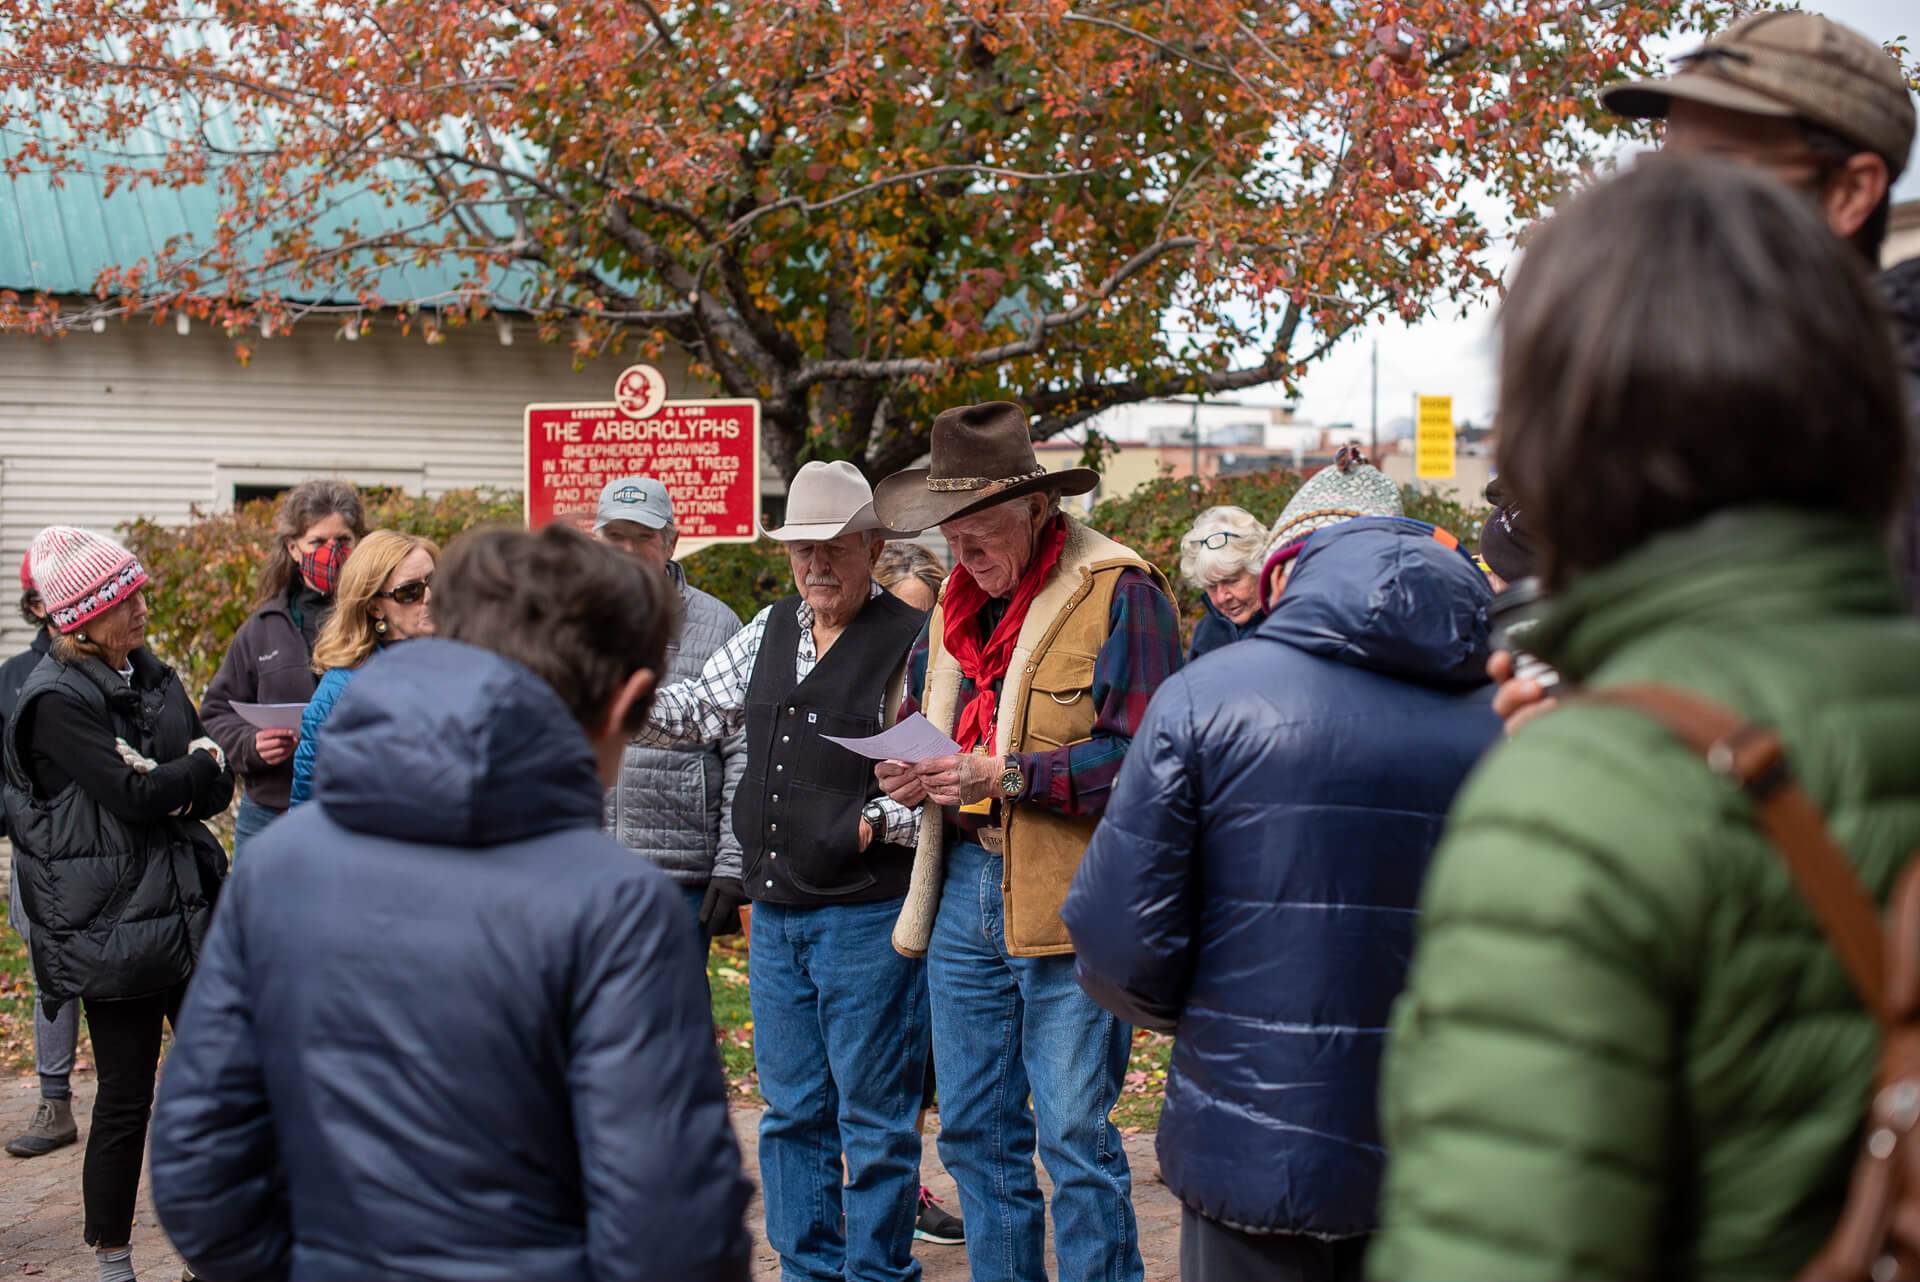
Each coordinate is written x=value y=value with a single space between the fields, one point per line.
x=1252 y=886
x=442 y=1026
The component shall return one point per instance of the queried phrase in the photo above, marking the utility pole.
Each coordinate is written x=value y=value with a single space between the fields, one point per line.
x=1193 y=437
x=1376 y=401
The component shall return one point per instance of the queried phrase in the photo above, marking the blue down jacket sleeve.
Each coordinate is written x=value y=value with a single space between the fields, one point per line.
x=1131 y=908
x=319 y=708
x=216 y=1169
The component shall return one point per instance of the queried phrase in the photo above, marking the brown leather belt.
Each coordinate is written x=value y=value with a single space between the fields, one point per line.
x=994 y=839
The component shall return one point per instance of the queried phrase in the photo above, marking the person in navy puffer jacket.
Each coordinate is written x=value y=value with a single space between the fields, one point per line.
x=1253 y=884
x=443 y=1027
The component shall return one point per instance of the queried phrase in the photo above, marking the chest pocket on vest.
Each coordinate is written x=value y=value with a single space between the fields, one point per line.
x=828 y=765
x=1060 y=707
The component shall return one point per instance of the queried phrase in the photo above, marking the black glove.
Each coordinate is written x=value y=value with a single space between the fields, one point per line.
x=720 y=910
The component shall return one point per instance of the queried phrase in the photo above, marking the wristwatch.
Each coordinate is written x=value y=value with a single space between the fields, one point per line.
x=876 y=818
x=1012 y=782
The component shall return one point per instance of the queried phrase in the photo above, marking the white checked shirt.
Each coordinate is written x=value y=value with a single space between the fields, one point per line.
x=713 y=705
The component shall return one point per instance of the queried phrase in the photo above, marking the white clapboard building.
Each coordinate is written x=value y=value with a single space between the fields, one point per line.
x=136 y=418
x=141 y=420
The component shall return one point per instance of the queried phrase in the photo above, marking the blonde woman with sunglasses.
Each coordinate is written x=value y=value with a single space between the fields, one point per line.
x=385 y=597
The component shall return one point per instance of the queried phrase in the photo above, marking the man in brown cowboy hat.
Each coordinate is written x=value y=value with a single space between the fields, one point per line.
x=839 y=1017
x=1046 y=644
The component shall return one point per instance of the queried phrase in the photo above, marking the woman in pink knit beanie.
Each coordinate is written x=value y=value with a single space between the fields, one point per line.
x=109 y=777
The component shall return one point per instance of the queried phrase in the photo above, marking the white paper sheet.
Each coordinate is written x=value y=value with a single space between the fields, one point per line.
x=912 y=741
x=271 y=716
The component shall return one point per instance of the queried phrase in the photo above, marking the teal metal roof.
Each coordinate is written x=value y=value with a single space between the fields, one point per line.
x=58 y=235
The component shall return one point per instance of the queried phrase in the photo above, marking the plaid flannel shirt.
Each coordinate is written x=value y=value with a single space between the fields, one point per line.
x=1141 y=651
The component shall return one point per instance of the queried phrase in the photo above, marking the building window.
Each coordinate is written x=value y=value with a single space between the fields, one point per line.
x=234 y=484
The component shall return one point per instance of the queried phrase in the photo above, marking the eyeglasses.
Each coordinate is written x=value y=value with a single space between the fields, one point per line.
x=1212 y=542
x=411 y=593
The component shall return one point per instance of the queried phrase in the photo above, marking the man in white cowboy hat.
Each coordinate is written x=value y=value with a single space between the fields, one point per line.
x=1040 y=658
x=839 y=1017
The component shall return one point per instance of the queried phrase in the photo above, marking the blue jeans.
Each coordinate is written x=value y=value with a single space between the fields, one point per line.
x=249 y=821
x=839 y=1039
x=1007 y=1030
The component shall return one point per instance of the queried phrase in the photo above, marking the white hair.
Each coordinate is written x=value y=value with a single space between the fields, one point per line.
x=1243 y=553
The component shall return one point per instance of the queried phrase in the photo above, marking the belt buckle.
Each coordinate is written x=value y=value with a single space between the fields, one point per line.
x=994 y=839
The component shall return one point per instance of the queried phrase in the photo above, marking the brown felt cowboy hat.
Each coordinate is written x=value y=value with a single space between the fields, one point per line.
x=982 y=455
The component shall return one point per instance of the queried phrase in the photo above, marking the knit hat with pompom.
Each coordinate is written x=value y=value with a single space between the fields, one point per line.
x=81 y=575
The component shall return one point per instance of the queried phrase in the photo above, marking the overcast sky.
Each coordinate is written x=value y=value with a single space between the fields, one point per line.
x=1454 y=355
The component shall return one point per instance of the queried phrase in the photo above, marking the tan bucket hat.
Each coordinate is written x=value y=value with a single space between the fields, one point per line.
x=824 y=501
x=981 y=455
x=1789 y=64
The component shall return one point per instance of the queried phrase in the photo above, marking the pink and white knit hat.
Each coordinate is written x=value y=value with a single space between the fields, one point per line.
x=81 y=575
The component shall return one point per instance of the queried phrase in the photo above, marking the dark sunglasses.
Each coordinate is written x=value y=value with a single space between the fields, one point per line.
x=409 y=593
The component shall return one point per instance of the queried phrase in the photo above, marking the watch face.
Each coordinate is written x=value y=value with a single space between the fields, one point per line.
x=1010 y=783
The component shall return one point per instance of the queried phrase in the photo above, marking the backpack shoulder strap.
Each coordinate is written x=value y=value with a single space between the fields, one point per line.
x=1752 y=757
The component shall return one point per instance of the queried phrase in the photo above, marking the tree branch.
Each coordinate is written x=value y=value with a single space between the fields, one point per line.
x=806 y=206
x=904 y=367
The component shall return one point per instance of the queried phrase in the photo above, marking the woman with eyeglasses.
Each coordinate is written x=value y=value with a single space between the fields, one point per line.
x=1221 y=556
x=386 y=596
x=270 y=659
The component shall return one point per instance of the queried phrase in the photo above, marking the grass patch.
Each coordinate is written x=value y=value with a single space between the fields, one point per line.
x=16 y=1005
x=732 y=1015
x=1145 y=1087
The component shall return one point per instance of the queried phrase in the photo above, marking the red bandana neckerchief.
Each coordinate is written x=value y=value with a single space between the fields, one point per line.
x=984 y=665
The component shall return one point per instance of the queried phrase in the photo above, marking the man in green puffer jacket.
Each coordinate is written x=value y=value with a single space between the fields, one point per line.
x=1626 y=1050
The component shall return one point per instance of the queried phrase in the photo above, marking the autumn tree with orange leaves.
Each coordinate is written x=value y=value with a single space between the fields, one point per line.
x=857 y=212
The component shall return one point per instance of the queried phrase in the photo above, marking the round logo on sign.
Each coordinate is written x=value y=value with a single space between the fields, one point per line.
x=640 y=391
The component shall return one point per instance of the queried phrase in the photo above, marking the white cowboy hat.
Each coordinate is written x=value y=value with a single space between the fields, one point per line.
x=824 y=501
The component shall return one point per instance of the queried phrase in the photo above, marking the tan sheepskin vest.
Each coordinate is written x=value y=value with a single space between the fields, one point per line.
x=1046 y=702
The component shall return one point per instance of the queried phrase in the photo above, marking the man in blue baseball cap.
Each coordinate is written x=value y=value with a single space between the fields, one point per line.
x=679 y=819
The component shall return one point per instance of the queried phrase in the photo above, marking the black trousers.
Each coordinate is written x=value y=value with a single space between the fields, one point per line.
x=1212 y=1252
x=126 y=1057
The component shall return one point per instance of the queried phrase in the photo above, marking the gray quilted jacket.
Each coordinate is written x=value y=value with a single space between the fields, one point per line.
x=675 y=805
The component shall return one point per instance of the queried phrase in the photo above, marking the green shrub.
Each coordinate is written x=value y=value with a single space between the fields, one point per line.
x=747 y=576
x=203 y=573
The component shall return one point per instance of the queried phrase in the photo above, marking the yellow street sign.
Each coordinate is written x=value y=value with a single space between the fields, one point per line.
x=1433 y=439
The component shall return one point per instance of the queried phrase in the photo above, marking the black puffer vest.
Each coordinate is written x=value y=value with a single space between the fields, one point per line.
x=118 y=909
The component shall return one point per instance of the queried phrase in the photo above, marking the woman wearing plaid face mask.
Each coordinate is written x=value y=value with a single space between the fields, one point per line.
x=271 y=658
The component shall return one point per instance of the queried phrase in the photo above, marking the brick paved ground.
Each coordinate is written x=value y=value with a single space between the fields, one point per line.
x=40 y=1208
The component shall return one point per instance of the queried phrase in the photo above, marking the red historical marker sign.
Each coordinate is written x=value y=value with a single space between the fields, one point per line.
x=707 y=454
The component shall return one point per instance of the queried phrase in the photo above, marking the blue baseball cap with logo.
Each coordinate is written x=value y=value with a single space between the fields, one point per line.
x=639 y=499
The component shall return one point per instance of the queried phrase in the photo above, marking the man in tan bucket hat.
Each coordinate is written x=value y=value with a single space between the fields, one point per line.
x=839 y=1017
x=1047 y=641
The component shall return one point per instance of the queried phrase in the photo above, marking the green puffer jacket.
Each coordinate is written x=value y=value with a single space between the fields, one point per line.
x=1626 y=1051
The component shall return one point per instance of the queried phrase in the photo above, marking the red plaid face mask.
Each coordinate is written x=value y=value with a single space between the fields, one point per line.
x=321 y=567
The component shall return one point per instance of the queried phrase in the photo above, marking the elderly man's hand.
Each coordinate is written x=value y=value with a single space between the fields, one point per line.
x=898 y=780
x=961 y=780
